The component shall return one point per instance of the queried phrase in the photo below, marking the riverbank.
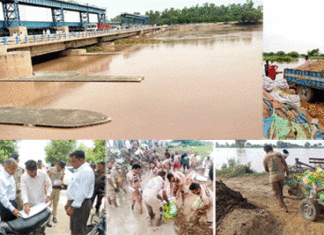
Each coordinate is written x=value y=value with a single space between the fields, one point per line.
x=258 y=192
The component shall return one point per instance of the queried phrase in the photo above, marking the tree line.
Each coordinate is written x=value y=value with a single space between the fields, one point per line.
x=208 y=13
x=57 y=150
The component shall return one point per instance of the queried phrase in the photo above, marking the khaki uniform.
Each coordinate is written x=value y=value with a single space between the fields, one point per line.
x=111 y=194
x=273 y=163
x=135 y=183
x=206 y=196
x=17 y=177
x=55 y=175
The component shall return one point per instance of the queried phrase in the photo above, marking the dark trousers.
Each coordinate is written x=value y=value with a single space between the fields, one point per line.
x=5 y=214
x=78 y=221
x=97 y=193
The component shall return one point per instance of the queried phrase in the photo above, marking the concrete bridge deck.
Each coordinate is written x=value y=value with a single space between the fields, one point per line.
x=44 y=44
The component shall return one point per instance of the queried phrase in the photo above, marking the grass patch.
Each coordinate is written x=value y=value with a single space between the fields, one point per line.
x=278 y=58
x=233 y=168
x=135 y=41
x=203 y=150
x=95 y=49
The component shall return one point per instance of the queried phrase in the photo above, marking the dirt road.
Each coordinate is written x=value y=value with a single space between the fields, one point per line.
x=255 y=190
x=62 y=227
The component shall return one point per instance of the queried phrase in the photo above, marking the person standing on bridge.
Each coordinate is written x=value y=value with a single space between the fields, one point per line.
x=276 y=165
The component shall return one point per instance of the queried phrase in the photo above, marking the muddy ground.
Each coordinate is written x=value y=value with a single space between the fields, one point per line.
x=259 y=193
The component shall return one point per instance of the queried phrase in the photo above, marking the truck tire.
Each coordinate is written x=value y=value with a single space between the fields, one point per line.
x=309 y=209
x=305 y=93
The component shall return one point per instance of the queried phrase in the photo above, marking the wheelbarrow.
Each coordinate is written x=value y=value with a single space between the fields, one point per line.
x=310 y=207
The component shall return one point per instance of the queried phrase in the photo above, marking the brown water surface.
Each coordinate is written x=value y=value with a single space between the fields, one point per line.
x=198 y=85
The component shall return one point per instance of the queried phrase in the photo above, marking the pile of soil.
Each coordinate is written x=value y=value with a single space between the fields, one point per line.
x=183 y=227
x=236 y=216
x=227 y=200
x=316 y=66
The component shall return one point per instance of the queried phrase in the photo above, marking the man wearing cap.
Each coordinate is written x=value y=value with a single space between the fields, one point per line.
x=79 y=193
x=8 y=204
x=56 y=175
x=17 y=176
x=40 y=166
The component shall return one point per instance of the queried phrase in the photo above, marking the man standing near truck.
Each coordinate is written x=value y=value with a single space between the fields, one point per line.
x=275 y=164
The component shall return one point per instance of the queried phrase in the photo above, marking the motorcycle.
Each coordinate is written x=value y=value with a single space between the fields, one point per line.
x=22 y=226
x=97 y=227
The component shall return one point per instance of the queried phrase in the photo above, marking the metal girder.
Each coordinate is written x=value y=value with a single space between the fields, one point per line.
x=130 y=19
x=58 y=17
x=11 y=14
x=101 y=18
x=84 y=17
x=60 y=4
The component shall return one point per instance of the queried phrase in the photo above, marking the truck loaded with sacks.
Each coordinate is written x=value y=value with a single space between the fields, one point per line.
x=306 y=78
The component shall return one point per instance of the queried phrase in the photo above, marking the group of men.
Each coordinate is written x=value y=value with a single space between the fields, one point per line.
x=21 y=190
x=166 y=181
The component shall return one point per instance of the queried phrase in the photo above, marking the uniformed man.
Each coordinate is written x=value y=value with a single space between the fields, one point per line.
x=177 y=184
x=17 y=177
x=100 y=182
x=134 y=179
x=111 y=188
x=56 y=175
x=206 y=208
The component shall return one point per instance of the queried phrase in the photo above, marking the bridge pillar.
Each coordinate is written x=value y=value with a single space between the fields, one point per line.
x=64 y=29
x=18 y=30
x=15 y=64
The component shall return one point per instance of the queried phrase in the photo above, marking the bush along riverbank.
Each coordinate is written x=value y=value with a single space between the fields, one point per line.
x=282 y=56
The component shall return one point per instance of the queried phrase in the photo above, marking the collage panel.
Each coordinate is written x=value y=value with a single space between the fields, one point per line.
x=160 y=187
x=189 y=65
x=269 y=187
x=52 y=187
x=293 y=71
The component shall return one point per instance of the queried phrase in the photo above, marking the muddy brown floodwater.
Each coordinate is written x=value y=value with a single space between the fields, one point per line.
x=123 y=220
x=198 y=85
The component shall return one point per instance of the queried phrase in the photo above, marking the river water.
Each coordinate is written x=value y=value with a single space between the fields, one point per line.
x=255 y=156
x=199 y=84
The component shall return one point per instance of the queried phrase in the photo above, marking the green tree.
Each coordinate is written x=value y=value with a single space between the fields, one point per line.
x=98 y=153
x=307 y=145
x=58 y=150
x=8 y=147
x=240 y=143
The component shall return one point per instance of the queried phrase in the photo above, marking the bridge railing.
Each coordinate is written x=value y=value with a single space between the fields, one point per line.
x=39 y=38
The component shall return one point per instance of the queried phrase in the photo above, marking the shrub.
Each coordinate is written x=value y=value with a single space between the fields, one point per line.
x=281 y=53
x=293 y=54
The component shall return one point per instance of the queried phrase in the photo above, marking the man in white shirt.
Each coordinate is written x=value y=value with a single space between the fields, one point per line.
x=8 y=204
x=33 y=183
x=79 y=193
x=36 y=187
x=153 y=196
x=128 y=146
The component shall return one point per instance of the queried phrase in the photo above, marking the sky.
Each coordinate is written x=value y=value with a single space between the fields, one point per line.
x=34 y=149
x=292 y=25
x=116 y=7
x=262 y=142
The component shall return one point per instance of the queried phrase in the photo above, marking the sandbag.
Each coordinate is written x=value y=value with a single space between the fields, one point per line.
x=285 y=98
x=25 y=226
x=268 y=84
x=170 y=210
